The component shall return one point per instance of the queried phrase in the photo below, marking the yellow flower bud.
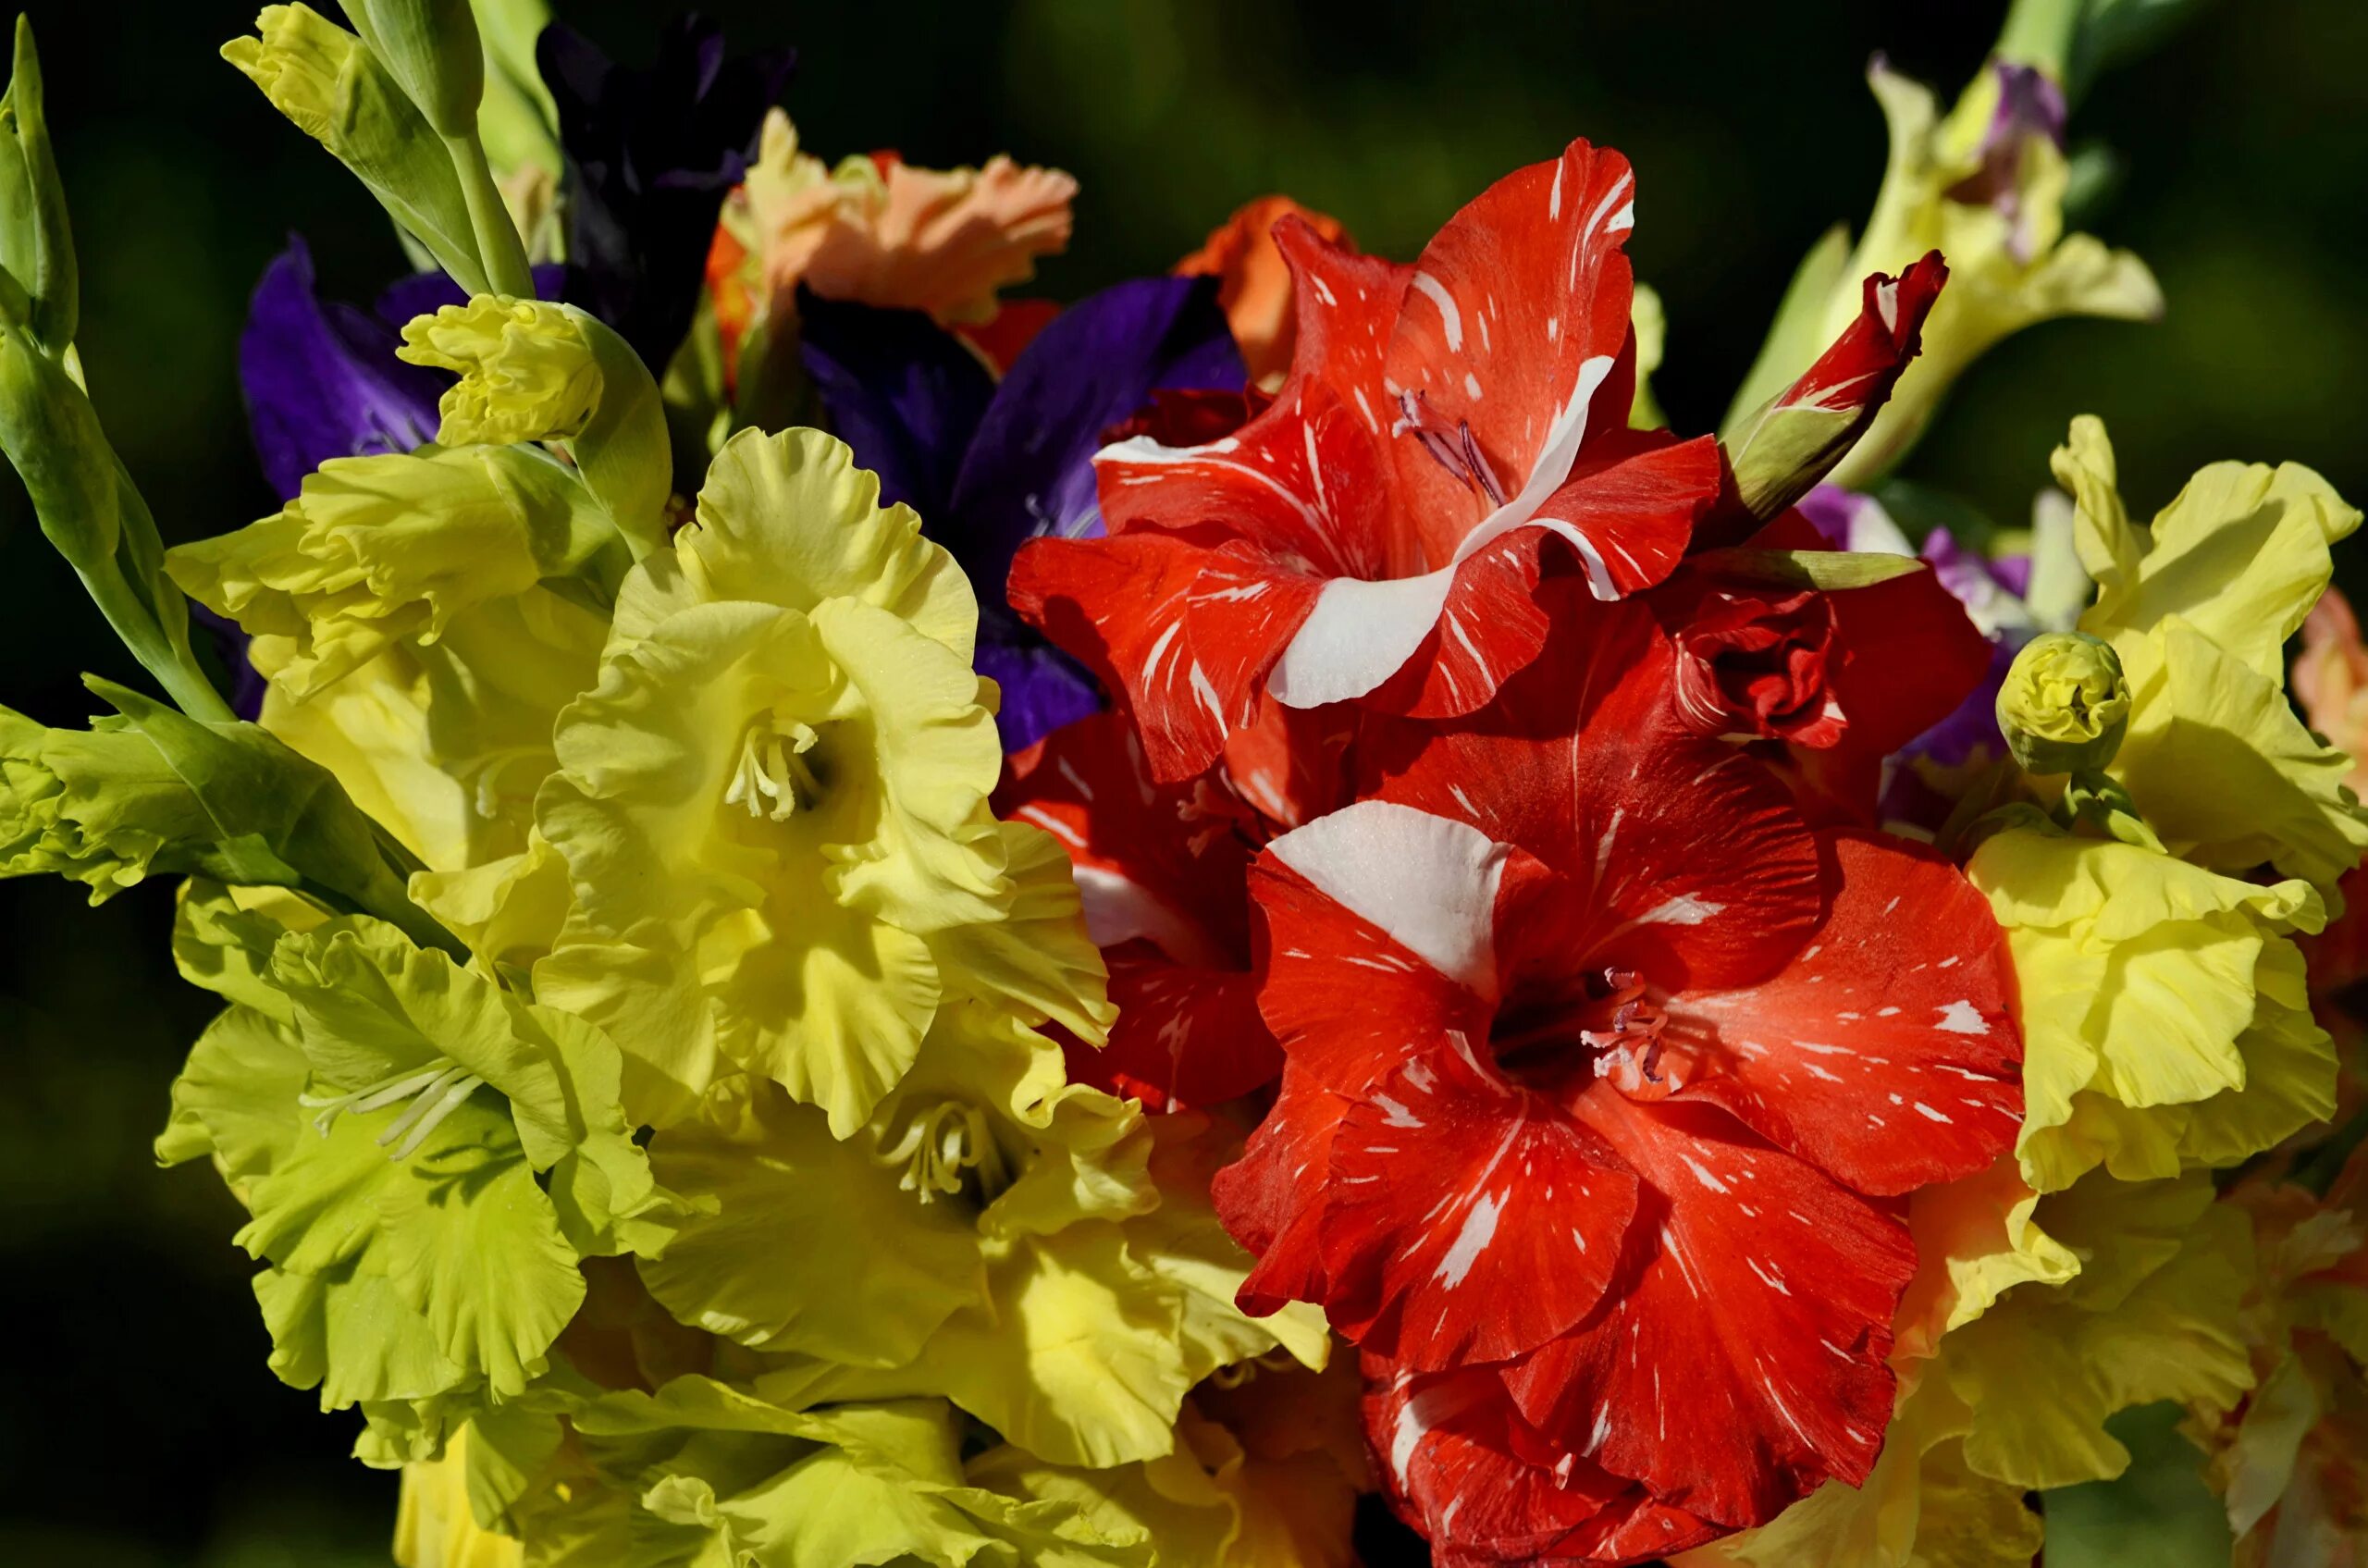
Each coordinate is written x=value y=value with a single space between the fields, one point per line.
x=2064 y=704
x=526 y=366
x=322 y=78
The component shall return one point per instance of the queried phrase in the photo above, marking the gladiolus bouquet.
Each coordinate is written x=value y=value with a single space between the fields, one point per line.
x=861 y=922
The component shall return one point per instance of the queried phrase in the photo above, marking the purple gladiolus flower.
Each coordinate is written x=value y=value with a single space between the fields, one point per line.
x=322 y=381
x=650 y=155
x=989 y=466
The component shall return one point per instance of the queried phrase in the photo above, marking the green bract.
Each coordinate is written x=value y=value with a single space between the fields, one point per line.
x=152 y=790
x=36 y=241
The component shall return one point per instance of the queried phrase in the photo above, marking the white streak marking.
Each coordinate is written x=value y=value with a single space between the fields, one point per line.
x=1450 y=318
x=1479 y=1228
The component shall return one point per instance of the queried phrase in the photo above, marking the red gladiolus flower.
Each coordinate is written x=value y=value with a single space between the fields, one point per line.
x=1375 y=533
x=1163 y=872
x=1599 y=1060
x=1751 y=663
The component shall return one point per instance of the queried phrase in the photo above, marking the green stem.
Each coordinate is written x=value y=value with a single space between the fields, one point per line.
x=175 y=669
x=500 y=251
x=2040 y=32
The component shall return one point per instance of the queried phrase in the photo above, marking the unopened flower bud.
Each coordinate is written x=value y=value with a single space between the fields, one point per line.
x=52 y=438
x=526 y=367
x=2064 y=704
x=432 y=48
x=336 y=90
x=36 y=244
x=534 y=371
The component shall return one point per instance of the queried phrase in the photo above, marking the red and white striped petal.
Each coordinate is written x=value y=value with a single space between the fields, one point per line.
x=1356 y=983
x=1857 y=371
x=1187 y=631
x=1886 y=1052
x=1162 y=863
x=1348 y=306
x=1704 y=872
x=1457 y=1464
x=1272 y=1200
x=1746 y=1364
x=1186 y=1038
x=1695 y=866
x=1488 y=1220
x=1629 y=511
x=1512 y=329
x=1306 y=483
x=1490 y=626
x=1426 y=883
x=1291 y=766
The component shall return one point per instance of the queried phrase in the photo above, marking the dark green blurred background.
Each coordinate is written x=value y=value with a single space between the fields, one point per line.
x=138 y=1421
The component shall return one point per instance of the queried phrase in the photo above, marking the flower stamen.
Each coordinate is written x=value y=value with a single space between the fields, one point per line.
x=939 y=1146
x=773 y=777
x=434 y=1093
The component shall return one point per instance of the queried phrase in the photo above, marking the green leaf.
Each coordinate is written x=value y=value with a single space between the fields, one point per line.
x=1827 y=570
x=2157 y=1513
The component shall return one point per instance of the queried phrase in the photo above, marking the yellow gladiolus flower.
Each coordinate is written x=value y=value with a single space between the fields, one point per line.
x=2164 y=1014
x=377 y=550
x=2199 y=606
x=773 y=806
x=1040 y=1253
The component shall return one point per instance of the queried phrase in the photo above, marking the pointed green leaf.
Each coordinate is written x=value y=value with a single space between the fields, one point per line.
x=1829 y=571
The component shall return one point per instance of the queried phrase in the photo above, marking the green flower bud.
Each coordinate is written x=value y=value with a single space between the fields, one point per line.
x=336 y=90
x=527 y=369
x=36 y=243
x=53 y=439
x=2064 y=704
x=146 y=791
x=431 y=47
